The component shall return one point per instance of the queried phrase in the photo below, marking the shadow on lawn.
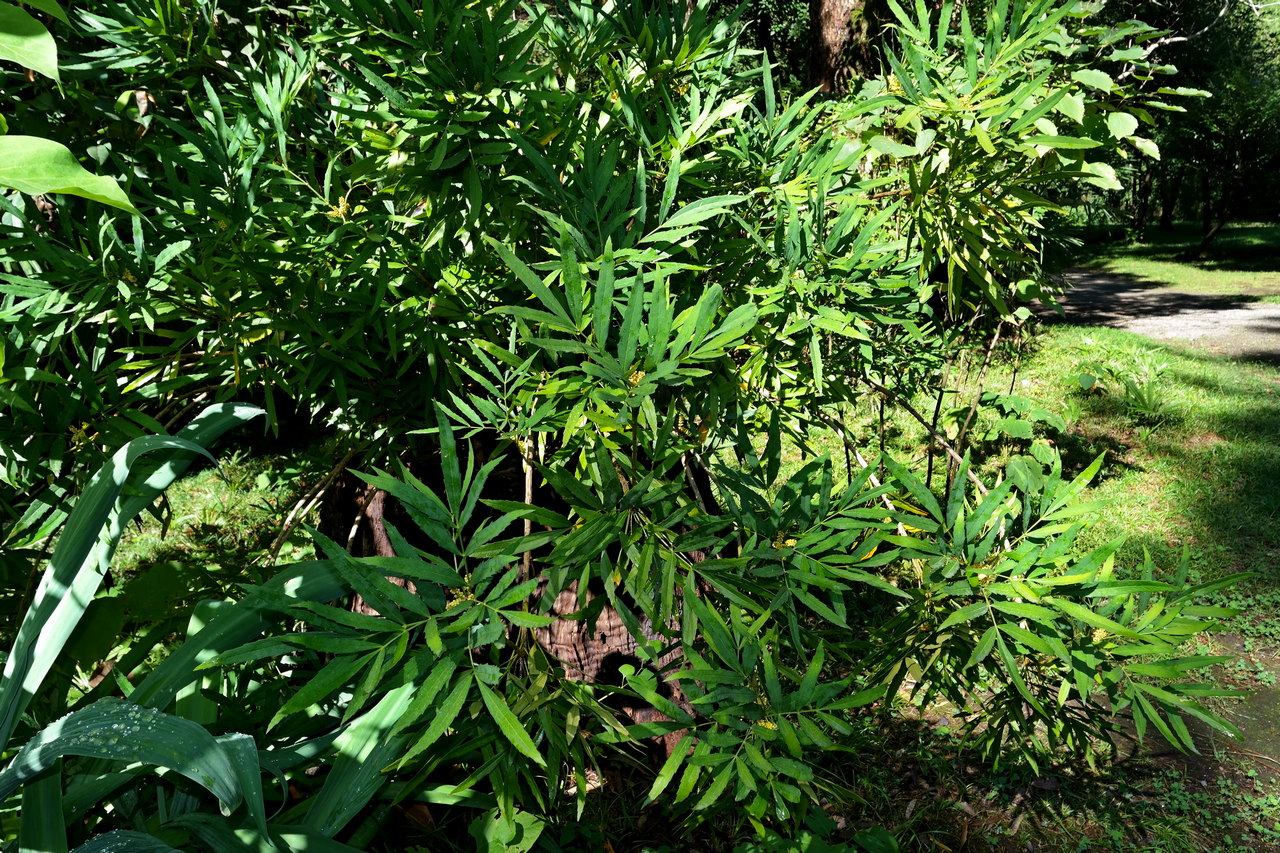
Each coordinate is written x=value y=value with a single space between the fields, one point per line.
x=1100 y=298
x=1228 y=474
x=934 y=793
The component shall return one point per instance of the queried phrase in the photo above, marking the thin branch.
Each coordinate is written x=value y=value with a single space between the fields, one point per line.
x=924 y=422
x=1172 y=39
x=526 y=559
x=982 y=378
x=305 y=504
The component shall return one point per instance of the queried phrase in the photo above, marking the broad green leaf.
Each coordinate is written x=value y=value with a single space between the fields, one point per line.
x=514 y=834
x=885 y=145
x=1015 y=428
x=49 y=7
x=238 y=624
x=983 y=648
x=1094 y=79
x=26 y=41
x=1104 y=175
x=876 y=840
x=700 y=210
x=1146 y=146
x=122 y=731
x=1121 y=125
x=1072 y=106
x=216 y=833
x=37 y=166
x=1089 y=617
x=1022 y=610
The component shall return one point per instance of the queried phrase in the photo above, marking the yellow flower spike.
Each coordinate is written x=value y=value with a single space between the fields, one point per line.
x=339 y=210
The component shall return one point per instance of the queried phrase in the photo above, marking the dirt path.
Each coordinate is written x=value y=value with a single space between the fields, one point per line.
x=1233 y=325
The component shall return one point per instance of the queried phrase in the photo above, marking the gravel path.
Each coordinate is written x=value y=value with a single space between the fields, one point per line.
x=1233 y=325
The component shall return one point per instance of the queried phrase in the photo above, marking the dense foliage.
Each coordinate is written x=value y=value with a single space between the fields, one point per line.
x=1217 y=162
x=568 y=282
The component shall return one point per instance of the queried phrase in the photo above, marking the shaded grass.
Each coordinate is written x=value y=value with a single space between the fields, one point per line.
x=1243 y=259
x=211 y=533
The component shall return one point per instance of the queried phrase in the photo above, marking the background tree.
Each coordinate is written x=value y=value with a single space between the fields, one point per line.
x=1217 y=160
x=845 y=40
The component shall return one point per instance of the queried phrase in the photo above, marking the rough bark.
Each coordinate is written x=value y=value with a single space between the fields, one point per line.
x=595 y=651
x=844 y=35
x=1170 y=192
x=353 y=515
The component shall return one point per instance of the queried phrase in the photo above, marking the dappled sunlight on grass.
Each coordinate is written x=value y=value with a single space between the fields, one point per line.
x=1243 y=259
x=1205 y=475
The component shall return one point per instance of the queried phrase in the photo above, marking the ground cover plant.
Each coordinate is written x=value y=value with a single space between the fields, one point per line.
x=557 y=285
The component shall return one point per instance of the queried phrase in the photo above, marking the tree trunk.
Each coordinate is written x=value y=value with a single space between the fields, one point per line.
x=843 y=38
x=353 y=516
x=591 y=650
x=1170 y=192
x=595 y=651
x=1216 y=217
x=1206 y=202
x=1142 y=211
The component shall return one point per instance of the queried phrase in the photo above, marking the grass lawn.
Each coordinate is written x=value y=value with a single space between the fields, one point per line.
x=1243 y=260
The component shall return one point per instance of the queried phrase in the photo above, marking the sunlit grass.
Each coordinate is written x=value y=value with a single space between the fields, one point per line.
x=1243 y=260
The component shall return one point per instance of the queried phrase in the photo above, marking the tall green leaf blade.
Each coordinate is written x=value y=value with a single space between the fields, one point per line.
x=85 y=547
x=50 y=8
x=364 y=749
x=122 y=731
x=125 y=841
x=42 y=828
x=242 y=752
x=317 y=580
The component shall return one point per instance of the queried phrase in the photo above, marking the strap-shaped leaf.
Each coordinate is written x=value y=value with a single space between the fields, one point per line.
x=122 y=731
x=364 y=749
x=125 y=841
x=510 y=725
x=43 y=827
x=87 y=543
